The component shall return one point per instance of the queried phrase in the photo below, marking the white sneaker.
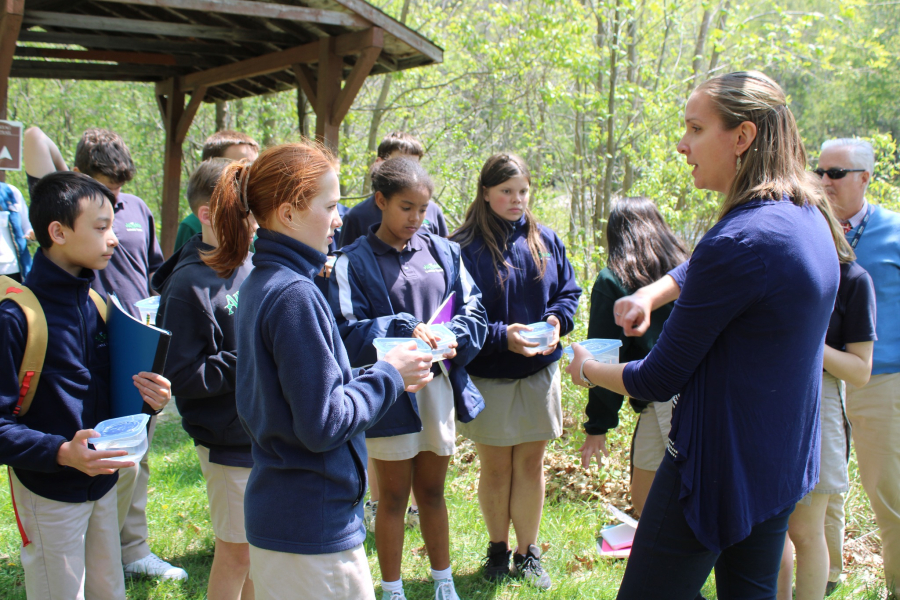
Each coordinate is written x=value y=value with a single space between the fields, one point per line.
x=444 y=590
x=369 y=511
x=412 y=517
x=154 y=566
x=393 y=595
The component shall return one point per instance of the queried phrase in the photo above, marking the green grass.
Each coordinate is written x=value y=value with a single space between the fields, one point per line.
x=181 y=533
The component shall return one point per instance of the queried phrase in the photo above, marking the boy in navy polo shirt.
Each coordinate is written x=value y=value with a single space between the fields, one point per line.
x=103 y=155
x=60 y=488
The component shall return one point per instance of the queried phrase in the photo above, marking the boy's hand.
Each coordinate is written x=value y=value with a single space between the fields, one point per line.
x=77 y=455
x=155 y=389
x=516 y=343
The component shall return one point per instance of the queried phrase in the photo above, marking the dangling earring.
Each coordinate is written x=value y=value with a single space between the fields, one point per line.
x=738 y=164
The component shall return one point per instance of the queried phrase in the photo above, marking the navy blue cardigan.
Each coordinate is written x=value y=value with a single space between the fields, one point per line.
x=744 y=347
x=362 y=306
x=303 y=409
x=524 y=298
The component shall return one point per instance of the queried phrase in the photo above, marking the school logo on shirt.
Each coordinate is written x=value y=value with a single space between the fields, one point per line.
x=100 y=339
x=232 y=302
x=133 y=226
x=433 y=268
x=546 y=255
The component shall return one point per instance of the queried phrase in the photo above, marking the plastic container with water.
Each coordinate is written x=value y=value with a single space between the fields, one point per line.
x=148 y=307
x=385 y=345
x=541 y=332
x=123 y=433
x=605 y=351
x=446 y=336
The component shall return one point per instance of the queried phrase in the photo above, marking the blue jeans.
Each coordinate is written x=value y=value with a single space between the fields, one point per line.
x=667 y=561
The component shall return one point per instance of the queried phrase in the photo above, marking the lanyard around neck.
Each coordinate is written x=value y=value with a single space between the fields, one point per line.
x=862 y=227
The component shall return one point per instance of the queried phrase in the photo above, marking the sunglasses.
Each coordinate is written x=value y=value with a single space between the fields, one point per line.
x=836 y=173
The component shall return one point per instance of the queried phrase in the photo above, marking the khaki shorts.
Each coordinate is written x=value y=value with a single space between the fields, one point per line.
x=517 y=411
x=225 y=489
x=651 y=435
x=338 y=576
x=438 y=435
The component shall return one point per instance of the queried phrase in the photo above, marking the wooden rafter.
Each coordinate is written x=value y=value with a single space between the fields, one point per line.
x=258 y=9
x=131 y=43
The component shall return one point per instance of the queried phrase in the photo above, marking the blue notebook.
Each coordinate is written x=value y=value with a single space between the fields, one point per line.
x=133 y=347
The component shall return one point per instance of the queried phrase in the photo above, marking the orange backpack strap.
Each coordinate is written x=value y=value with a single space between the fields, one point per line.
x=36 y=343
x=100 y=302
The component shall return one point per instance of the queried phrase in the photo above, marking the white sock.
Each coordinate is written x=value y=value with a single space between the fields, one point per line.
x=445 y=574
x=392 y=586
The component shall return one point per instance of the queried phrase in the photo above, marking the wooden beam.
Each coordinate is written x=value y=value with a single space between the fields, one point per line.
x=173 y=112
x=354 y=83
x=395 y=28
x=328 y=84
x=136 y=58
x=187 y=117
x=39 y=69
x=10 y=23
x=265 y=10
x=131 y=43
x=351 y=43
x=306 y=80
x=96 y=23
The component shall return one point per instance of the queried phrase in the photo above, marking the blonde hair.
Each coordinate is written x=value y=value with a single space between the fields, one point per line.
x=775 y=164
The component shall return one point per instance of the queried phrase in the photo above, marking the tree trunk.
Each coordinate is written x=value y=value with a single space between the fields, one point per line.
x=223 y=116
x=697 y=64
x=601 y=214
x=720 y=25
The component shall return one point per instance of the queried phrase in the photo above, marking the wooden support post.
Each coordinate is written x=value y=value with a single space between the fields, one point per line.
x=330 y=73
x=177 y=120
x=10 y=23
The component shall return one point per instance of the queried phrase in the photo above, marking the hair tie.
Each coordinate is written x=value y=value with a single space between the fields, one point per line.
x=245 y=179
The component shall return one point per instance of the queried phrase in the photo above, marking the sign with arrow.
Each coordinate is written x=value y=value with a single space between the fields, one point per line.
x=10 y=146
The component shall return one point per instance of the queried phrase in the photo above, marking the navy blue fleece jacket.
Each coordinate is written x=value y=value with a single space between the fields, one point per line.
x=73 y=391
x=524 y=297
x=303 y=408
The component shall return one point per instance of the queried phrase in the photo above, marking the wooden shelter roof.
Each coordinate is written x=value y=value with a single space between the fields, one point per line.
x=233 y=48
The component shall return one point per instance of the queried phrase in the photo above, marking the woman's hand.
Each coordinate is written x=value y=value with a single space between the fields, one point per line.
x=574 y=368
x=632 y=314
x=155 y=389
x=593 y=445
x=551 y=347
x=414 y=366
x=516 y=343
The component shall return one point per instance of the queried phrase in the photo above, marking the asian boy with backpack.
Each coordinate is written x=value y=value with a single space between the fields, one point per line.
x=63 y=492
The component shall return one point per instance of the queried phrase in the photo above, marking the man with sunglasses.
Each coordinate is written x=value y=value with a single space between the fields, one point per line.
x=846 y=166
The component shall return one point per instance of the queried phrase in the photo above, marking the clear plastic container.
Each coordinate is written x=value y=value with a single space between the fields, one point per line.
x=148 y=307
x=605 y=351
x=385 y=345
x=541 y=332
x=123 y=433
x=446 y=336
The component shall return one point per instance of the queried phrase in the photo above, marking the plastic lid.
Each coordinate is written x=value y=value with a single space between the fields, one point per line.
x=595 y=346
x=539 y=327
x=387 y=344
x=120 y=428
x=151 y=302
x=444 y=333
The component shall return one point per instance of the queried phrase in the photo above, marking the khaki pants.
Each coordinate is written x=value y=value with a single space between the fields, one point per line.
x=73 y=550
x=834 y=535
x=874 y=413
x=131 y=494
x=339 y=576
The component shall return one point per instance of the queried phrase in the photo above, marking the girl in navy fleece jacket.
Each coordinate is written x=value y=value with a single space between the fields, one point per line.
x=525 y=277
x=303 y=407
x=388 y=284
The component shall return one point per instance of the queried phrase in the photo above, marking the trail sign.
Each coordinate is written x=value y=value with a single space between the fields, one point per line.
x=10 y=146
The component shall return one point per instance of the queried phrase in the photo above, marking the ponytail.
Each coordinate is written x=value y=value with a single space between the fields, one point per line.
x=285 y=174
x=228 y=213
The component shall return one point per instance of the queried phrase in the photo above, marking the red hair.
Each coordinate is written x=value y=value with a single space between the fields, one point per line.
x=286 y=174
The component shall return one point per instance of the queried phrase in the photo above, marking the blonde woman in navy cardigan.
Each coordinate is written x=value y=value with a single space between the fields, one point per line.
x=744 y=349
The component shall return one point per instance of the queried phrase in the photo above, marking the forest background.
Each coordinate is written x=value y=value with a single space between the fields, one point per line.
x=591 y=93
